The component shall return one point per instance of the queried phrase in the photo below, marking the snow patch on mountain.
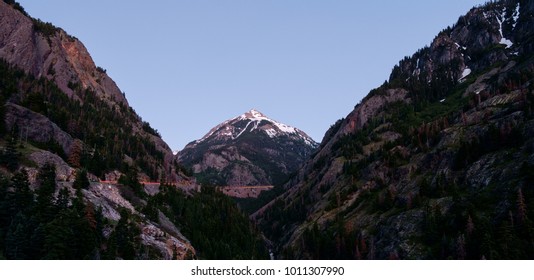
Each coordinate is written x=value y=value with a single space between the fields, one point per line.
x=233 y=129
x=465 y=73
x=504 y=41
x=516 y=14
x=248 y=150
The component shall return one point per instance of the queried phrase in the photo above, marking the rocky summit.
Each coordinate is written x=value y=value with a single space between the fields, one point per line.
x=248 y=150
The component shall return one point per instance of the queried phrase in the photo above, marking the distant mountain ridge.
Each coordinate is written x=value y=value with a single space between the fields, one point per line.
x=250 y=149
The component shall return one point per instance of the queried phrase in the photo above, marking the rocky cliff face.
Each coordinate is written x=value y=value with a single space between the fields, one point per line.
x=64 y=111
x=36 y=126
x=434 y=164
x=249 y=150
x=62 y=117
x=47 y=52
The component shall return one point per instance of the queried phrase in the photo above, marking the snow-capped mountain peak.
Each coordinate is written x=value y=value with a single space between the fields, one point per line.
x=251 y=121
x=250 y=149
x=253 y=114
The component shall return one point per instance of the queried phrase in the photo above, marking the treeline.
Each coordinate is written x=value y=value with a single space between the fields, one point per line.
x=16 y=6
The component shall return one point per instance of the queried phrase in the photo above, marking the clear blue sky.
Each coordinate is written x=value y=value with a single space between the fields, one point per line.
x=187 y=65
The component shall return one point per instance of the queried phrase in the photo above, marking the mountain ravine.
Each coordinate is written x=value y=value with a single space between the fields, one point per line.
x=436 y=163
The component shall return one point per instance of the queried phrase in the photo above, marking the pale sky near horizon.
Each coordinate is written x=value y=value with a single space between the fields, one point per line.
x=188 y=65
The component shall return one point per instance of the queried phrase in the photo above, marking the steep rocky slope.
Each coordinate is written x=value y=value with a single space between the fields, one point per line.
x=436 y=163
x=65 y=127
x=248 y=150
x=44 y=50
x=52 y=94
x=49 y=54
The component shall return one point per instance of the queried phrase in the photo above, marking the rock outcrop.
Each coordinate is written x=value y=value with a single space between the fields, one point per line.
x=49 y=52
x=36 y=127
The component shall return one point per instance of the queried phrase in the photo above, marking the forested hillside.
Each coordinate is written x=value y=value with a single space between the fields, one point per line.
x=436 y=163
x=73 y=155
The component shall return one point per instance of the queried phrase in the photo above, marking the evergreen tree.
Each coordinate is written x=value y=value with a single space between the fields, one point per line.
x=75 y=154
x=85 y=228
x=60 y=238
x=521 y=207
x=123 y=239
x=72 y=232
x=4 y=218
x=100 y=223
x=10 y=158
x=22 y=197
x=111 y=249
x=2 y=115
x=81 y=181
x=37 y=239
x=63 y=200
x=45 y=205
x=17 y=242
x=131 y=179
x=470 y=227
